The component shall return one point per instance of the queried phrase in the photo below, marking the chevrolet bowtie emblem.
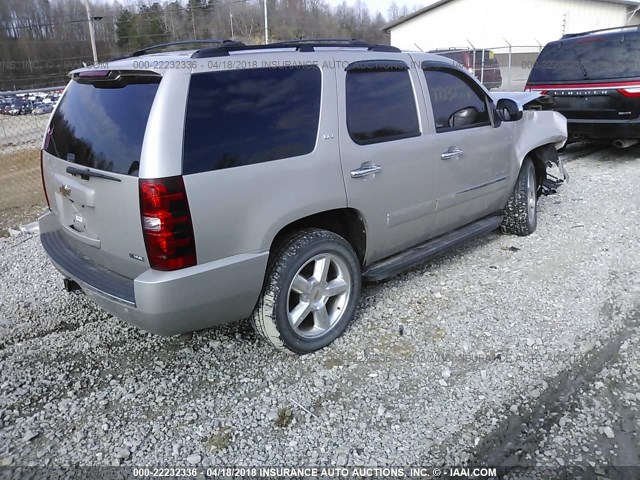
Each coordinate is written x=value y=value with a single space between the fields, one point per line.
x=65 y=190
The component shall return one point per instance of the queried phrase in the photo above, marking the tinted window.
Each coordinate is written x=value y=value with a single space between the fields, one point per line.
x=451 y=92
x=102 y=128
x=593 y=57
x=243 y=117
x=489 y=58
x=380 y=106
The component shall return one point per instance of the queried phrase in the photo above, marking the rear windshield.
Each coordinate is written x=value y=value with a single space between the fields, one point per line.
x=594 y=57
x=102 y=128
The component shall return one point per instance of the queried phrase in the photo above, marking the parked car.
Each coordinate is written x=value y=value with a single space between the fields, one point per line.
x=272 y=192
x=20 y=108
x=595 y=82
x=42 y=108
x=485 y=67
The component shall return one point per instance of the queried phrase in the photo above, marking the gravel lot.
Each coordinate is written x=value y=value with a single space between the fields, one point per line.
x=512 y=351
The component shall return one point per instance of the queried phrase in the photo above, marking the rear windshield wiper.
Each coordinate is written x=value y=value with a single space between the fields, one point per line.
x=582 y=67
x=86 y=173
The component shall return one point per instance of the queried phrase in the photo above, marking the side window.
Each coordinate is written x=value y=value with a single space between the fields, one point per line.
x=249 y=116
x=457 y=102
x=381 y=106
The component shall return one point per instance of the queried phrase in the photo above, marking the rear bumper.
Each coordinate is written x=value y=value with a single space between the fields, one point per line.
x=603 y=129
x=165 y=303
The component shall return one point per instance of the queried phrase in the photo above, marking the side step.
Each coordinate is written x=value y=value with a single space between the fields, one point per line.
x=404 y=260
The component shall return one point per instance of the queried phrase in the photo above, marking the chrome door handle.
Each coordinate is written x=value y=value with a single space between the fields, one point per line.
x=365 y=170
x=452 y=153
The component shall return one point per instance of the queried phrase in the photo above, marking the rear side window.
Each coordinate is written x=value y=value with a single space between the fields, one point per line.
x=244 y=117
x=102 y=127
x=593 y=57
x=381 y=106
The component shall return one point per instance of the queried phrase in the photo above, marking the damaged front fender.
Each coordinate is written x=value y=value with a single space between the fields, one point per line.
x=539 y=133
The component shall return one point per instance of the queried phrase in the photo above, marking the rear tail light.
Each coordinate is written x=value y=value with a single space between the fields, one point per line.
x=166 y=223
x=44 y=186
x=529 y=88
x=633 y=92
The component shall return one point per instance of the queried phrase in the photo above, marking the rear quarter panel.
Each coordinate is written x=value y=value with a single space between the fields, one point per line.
x=240 y=210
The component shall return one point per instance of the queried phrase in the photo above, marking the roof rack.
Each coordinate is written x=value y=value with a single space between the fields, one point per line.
x=611 y=29
x=301 y=45
x=212 y=41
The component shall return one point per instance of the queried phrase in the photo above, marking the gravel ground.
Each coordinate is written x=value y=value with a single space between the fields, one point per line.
x=508 y=351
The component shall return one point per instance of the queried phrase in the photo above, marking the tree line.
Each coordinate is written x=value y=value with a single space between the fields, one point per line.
x=42 y=40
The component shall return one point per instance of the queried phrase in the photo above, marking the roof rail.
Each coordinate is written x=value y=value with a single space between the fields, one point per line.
x=611 y=29
x=214 y=41
x=301 y=45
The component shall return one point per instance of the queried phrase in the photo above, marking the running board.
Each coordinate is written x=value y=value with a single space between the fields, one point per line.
x=409 y=258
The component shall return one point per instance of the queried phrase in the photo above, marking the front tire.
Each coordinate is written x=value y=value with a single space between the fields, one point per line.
x=311 y=292
x=520 y=215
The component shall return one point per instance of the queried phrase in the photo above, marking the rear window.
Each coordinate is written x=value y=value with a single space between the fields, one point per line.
x=593 y=57
x=489 y=58
x=244 y=117
x=101 y=127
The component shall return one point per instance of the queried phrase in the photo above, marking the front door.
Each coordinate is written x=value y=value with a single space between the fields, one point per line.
x=472 y=154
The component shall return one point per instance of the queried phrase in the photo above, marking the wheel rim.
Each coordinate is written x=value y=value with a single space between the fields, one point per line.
x=531 y=192
x=318 y=295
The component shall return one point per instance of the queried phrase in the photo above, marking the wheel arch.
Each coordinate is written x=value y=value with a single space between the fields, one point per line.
x=542 y=156
x=347 y=222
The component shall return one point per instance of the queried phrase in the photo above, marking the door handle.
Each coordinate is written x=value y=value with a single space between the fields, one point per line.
x=451 y=154
x=365 y=170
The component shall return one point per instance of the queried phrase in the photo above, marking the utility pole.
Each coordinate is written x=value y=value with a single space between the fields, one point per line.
x=231 y=21
x=92 y=32
x=266 y=18
x=266 y=24
x=193 y=23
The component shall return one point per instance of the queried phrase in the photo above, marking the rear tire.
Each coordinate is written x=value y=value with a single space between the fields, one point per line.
x=520 y=215
x=310 y=294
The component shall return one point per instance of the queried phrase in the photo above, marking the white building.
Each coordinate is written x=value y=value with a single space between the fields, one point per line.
x=497 y=23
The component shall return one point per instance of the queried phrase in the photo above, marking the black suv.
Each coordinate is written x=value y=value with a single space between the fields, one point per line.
x=594 y=78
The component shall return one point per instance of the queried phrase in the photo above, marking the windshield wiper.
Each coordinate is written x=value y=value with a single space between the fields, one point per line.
x=86 y=173
x=582 y=67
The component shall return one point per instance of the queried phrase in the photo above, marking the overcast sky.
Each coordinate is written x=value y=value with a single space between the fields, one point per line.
x=380 y=5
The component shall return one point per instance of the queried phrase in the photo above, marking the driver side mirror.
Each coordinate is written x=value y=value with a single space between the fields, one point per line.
x=509 y=110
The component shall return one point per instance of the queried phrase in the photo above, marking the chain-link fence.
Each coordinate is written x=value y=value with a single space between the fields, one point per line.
x=501 y=68
x=515 y=64
x=23 y=119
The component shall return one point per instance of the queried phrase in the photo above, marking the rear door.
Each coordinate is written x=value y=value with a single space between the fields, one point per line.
x=594 y=77
x=91 y=160
x=388 y=172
